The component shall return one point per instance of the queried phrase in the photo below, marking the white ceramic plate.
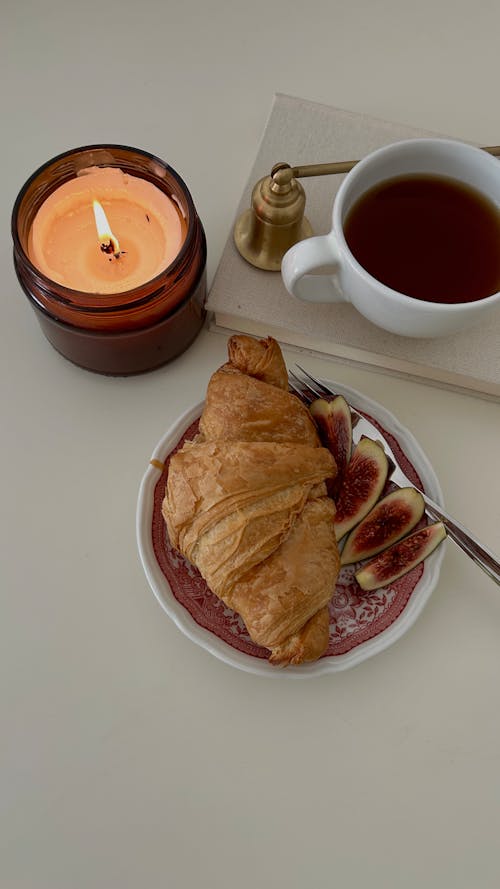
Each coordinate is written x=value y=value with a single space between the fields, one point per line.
x=361 y=624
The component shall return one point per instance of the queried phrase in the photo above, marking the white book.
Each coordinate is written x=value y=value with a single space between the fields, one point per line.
x=248 y=300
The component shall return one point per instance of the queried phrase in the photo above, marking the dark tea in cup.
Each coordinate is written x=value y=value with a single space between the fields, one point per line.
x=414 y=244
x=427 y=236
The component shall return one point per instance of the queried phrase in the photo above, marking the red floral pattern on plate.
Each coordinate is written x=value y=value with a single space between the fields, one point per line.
x=355 y=616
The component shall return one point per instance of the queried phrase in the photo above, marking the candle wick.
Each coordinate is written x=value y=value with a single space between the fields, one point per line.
x=110 y=246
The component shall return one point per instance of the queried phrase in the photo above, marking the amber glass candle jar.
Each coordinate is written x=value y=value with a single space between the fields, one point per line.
x=115 y=333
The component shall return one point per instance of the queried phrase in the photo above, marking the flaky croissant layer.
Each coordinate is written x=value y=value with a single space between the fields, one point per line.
x=248 y=506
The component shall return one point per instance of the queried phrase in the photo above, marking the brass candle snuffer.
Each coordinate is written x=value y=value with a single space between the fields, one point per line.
x=275 y=220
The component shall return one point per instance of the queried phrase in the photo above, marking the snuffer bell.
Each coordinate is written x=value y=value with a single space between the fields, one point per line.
x=275 y=220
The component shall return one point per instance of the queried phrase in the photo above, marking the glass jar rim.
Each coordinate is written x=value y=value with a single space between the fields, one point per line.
x=121 y=299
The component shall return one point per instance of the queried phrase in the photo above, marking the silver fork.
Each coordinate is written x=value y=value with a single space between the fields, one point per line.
x=311 y=388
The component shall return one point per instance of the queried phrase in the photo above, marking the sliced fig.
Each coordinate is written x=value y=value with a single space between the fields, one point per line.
x=389 y=520
x=401 y=557
x=333 y=419
x=362 y=485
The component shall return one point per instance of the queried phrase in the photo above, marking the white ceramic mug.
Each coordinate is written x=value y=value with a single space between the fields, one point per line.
x=350 y=282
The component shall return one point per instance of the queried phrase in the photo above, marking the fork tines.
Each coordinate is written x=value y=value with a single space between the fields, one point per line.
x=310 y=388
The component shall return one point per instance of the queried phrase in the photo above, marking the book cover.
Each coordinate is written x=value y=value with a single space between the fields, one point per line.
x=245 y=299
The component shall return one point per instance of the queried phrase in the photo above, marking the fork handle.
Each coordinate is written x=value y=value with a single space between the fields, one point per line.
x=464 y=539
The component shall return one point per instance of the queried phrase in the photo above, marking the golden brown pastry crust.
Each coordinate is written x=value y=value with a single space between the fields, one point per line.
x=241 y=408
x=246 y=503
x=282 y=593
x=308 y=644
x=261 y=359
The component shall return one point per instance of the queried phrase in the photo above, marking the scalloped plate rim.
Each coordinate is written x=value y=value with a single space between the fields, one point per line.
x=220 y=649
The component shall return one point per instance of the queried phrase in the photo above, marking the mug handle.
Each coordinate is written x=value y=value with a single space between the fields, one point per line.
x=306 y=256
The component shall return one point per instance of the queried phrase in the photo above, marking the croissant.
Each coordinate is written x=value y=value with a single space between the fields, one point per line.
x=246 y=503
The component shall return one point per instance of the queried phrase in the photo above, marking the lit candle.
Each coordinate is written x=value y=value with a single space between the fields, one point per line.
x=111 y=253
x=106 y=231
x=107 y=240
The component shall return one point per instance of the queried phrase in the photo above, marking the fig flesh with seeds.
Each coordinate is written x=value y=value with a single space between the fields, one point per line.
x=400 y=558
x=362 y=485
x=390 y=519
x=333 y=419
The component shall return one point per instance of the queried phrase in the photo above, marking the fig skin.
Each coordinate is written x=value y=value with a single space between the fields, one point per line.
x=362 y=485
x=390 y=519
x=401 y=557
x=334 y=422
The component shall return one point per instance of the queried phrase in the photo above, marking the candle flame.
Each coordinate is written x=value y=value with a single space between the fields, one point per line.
x=107 y=240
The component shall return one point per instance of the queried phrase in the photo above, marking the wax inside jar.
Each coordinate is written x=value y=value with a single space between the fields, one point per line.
x=148 y=224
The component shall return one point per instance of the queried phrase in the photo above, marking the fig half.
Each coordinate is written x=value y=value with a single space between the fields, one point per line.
x=389 y=520
x=333 y=419
x=401 y=557
x=362 y=485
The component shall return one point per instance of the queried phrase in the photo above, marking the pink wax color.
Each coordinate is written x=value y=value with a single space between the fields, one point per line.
x=64 y=244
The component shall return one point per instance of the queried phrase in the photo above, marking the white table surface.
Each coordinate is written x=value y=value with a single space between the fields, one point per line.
x=129 y=756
